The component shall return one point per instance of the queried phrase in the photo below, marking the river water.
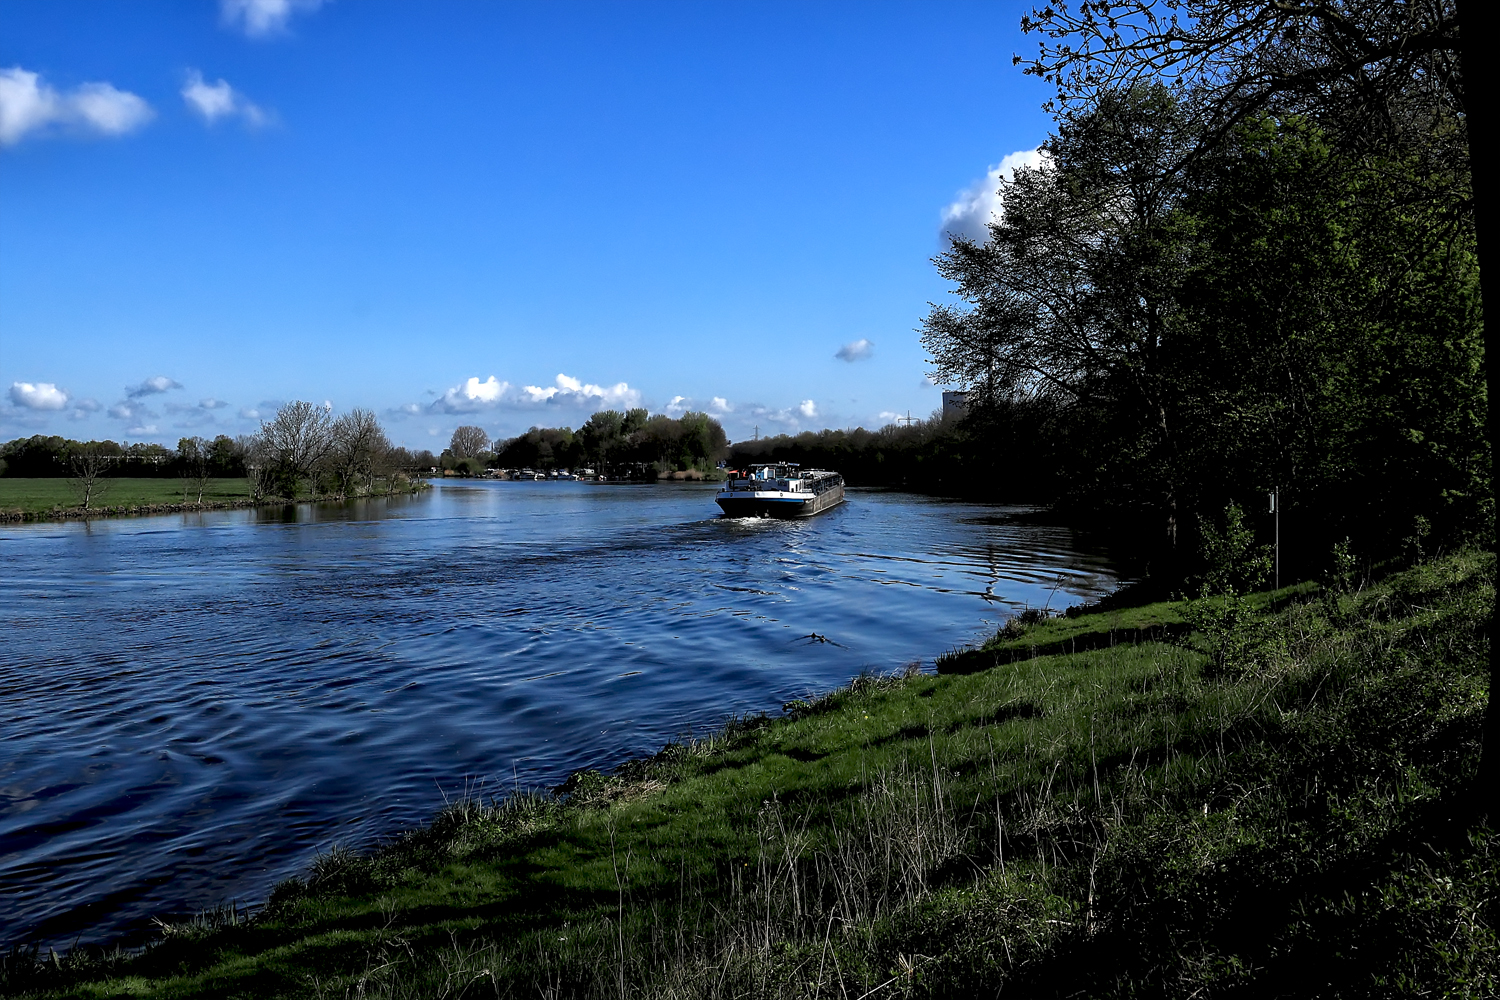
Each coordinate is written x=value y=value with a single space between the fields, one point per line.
x=192 y=706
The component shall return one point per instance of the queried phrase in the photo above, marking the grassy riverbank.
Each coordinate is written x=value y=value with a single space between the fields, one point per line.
x=43 y=496
x=1106 y=805
x=55 y=499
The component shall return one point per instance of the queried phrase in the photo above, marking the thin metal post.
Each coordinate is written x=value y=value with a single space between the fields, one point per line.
x=1276 y=510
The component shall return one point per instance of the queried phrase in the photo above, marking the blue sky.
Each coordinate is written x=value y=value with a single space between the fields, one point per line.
x=496 y=213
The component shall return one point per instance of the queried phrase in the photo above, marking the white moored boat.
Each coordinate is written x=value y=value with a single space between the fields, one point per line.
x=782 y=489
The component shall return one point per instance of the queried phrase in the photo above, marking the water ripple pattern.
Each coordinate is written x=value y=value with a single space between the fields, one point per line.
x=192 y=706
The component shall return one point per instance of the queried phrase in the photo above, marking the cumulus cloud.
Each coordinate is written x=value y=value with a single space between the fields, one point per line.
x=28 y=105
x=771 y=420
x=131 y=410
x=212 y=404
x=38 y=396
x=213 y=101
x=137 y=416
x=855 y=350
x=263 y=18
x=152 y=385
x=717 y=406
x=261 y=410
x=971 y=212
x=474 y=395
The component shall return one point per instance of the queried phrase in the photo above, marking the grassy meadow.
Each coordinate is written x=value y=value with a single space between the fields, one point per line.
x=40 y=496
x=1269 y=797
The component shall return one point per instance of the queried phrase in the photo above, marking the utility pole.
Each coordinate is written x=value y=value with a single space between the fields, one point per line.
x=757 y=432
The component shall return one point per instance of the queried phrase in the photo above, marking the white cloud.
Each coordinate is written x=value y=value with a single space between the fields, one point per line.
x=570 y=391
x=771 y=420
x=474 y=395
x=263 y=18
x=261 y=410
x=38 y=396
x=154 y=384
x=717 y=406
x=111 y=111
x=213 y=101
x=199 y=414
x=27 y=104
x=136 y=415
x=856 y=350
x=971 y=213
x=131 y=410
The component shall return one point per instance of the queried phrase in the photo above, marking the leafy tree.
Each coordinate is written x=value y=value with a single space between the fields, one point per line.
x=1386 y=80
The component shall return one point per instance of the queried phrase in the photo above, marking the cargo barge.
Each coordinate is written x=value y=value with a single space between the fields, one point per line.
x=781 y=489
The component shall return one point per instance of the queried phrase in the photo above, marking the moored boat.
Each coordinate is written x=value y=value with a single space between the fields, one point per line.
x=781 y=489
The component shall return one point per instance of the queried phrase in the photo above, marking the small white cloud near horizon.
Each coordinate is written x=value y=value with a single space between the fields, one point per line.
x=213 y=101
x=151 y=386
x=212 y=404
x=263 y=18
x=38 y=396
x=855 y=350
x=132 y=411
x=474 y=395
x=808 y=409
x=28 y=104
x=970 y=214
x=717 y=406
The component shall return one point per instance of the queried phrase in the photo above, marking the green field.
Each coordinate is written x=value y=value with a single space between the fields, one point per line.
x=36 y=496
x=1288 y=813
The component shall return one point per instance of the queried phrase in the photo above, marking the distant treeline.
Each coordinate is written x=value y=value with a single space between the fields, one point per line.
x=50 y=456
x=970 y=456
x=631 y=443
x=303 y=449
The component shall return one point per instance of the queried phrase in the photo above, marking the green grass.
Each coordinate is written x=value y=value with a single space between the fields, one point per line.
x=1135 y=819
x=39 y=496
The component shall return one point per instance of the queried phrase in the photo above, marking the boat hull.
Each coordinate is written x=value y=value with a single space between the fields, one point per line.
x=782 y=505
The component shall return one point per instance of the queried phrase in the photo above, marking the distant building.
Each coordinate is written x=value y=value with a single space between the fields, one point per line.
x=955 y=404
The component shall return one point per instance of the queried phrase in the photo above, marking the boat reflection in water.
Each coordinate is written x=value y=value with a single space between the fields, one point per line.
x=781 y=489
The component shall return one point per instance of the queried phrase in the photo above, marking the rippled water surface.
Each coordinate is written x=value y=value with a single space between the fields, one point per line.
x=192 y=706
